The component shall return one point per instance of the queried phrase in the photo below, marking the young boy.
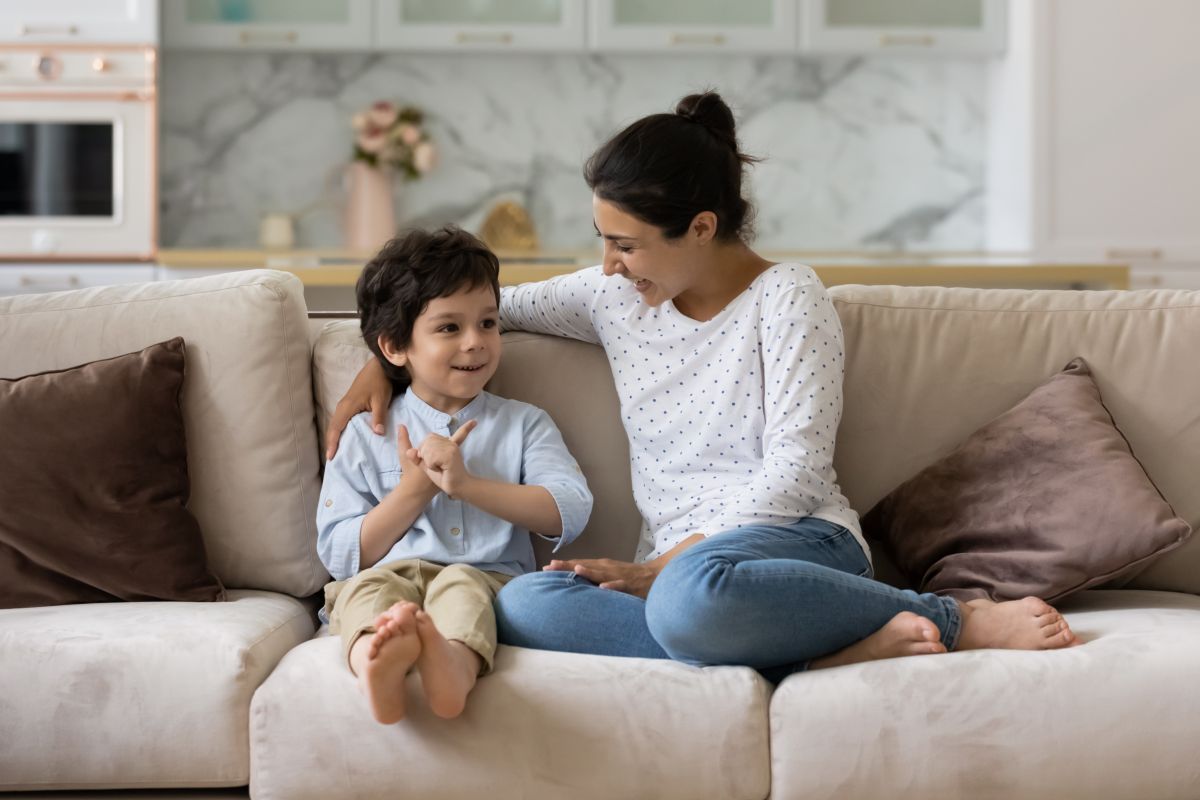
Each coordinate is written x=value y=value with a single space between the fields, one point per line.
x=421 y=528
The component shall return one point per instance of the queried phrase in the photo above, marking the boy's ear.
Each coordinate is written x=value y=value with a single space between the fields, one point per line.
x=393 y=355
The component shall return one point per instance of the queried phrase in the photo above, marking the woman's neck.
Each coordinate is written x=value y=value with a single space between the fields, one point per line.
x=721 y=277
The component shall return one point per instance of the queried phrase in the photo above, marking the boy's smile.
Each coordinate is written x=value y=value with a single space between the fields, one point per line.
x=455 y=348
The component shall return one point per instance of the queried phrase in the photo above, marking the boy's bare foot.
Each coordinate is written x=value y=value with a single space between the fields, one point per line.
x=1025 y=624
x=382 y=660
x=906 y=634
x=448 y=669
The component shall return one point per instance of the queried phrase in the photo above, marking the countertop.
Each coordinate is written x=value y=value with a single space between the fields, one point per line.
x=334 y=267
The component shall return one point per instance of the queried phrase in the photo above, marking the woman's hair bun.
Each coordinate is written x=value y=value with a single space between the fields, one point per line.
x=708 y=109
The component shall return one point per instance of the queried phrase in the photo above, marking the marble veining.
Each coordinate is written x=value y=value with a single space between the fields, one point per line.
x=859 y=153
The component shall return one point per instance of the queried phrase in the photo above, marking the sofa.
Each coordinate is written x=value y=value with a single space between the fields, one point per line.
x=250 y=693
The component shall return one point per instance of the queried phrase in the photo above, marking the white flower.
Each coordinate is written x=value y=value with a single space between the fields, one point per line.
x=359 y=122
x=424 y=157
x=383 y=113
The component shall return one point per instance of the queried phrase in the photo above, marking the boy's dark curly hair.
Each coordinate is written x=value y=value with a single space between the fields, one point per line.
x=410 y=270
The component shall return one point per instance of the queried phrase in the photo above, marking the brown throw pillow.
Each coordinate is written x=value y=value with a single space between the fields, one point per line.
x=94 y=484
x=1045 y=500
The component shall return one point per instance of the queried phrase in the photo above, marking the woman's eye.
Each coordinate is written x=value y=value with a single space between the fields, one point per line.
x=624 y=249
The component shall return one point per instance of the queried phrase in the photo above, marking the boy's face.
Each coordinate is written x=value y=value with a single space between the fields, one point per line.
x=455 y=348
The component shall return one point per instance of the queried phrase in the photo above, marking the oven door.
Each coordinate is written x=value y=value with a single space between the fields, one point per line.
x=77 y=177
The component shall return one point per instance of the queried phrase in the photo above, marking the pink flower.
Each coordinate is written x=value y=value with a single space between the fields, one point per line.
x=372 y=140
x=424 y=157
x=359 y=122
x=383 y=114
x=409 y=134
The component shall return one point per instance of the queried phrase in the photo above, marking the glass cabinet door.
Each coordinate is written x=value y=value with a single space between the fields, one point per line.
x=697 y=25
x=268 y=24
x=969 y=27
x=493 y=25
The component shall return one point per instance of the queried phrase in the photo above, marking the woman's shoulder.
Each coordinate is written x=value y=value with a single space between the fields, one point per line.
x=789 y=275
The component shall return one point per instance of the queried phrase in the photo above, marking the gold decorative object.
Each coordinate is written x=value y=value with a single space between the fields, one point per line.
x=509 y=227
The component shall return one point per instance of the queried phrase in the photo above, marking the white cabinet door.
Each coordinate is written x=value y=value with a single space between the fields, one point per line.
x=42 y=278
x=268 y=24
x=1165 y=276
x=486 y=25
x=747 y=26
x=934 y=27
x=63 y=21
x=1093 y=131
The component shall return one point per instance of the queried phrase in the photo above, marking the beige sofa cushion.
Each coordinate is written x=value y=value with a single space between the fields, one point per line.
x=133 y=695
x=571 y=381
x=927 y=366
x=542 y=725
x=247 y=404
x=1114 y=718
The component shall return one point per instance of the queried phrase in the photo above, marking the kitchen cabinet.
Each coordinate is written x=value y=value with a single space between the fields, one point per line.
x=928 y=27
x=756 y=26
x=41 y=278
x=65 y=21
x=486 y=25
x=1093 y=130
x=302 y=25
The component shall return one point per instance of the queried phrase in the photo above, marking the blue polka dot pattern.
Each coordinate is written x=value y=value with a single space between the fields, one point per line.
x=731 y=421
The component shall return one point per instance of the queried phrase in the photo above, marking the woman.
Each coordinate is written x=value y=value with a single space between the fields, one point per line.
x=729 y=369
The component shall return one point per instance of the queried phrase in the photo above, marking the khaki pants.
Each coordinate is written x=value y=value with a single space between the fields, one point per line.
x=457 y=597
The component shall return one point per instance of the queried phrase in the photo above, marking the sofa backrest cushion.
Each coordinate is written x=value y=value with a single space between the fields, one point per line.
x=571 y=381
x=247 y=403
x=925 y=367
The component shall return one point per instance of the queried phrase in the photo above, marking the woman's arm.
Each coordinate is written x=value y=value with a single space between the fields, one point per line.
x=560 y=306
x=370 y=391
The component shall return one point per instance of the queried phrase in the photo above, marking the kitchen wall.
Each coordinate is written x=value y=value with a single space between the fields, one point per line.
x=860 y=152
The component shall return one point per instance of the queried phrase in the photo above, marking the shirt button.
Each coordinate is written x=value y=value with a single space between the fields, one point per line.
x=329 y=502
x=455 y=531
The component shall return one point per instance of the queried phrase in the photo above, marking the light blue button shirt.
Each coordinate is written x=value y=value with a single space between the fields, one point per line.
x=512 y=442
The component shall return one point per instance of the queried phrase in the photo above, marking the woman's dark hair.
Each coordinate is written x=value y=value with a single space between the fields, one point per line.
x=409 y=271
x=665 y=169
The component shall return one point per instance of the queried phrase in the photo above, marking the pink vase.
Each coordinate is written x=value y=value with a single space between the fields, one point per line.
x=370 y=210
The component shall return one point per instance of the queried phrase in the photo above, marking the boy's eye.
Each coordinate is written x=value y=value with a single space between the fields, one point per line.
x=448 y=328
x=489 y=323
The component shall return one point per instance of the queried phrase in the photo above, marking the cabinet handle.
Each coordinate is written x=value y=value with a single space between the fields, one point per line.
x=902 y=40
x=45 y=30
x=465 y=37
x=697 y=38
x=29 y=282
x=268 y=37
x=1134 y=254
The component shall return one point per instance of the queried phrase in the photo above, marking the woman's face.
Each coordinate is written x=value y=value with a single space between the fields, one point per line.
x=661 y=269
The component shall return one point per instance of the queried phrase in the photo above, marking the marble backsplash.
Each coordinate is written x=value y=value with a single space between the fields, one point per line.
x=860 y=153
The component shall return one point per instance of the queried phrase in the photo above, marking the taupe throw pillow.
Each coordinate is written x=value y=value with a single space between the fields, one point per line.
x=94 y=483
x=1045 y=500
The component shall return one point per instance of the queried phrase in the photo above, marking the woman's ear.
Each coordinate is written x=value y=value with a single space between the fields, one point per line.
x=393 y=355
x=704 y=227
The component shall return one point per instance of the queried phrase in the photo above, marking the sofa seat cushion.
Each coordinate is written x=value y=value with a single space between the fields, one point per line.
x=542 y=725
x=1113 y=718
x=123 y=695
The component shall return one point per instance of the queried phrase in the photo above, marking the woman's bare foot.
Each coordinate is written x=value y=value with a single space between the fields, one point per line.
x=906 y=634
x=1025 y=624
x=448 y=669
x=382 y=660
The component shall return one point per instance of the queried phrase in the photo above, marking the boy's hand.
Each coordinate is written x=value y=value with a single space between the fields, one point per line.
x=442 y=461
x=410 y=467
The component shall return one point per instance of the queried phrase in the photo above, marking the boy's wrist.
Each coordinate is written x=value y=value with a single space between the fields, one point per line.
x=463 y=487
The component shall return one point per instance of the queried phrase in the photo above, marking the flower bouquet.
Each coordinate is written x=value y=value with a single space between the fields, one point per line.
x=392 y=136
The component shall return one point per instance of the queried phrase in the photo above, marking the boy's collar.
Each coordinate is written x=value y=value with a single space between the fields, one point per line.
x=440 y=419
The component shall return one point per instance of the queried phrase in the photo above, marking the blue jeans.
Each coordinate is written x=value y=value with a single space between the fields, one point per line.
x=768 y=597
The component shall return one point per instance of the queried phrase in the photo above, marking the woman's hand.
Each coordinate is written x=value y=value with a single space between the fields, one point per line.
x=371 y=391
x=620 y=576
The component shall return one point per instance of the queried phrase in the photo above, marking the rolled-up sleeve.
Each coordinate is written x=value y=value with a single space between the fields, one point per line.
x=346 y=498
x=548 y=463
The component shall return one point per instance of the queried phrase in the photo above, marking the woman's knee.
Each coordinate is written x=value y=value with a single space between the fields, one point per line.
x=524 y=602
x=685 y=612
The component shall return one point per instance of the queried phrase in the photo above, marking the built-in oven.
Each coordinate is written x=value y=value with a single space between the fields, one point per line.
x=78 y=156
